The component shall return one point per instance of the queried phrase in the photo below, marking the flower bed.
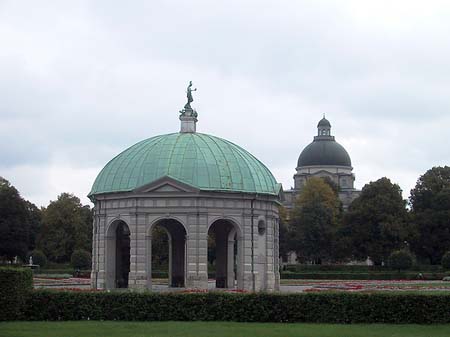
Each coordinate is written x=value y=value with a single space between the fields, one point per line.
x=49 y=282
x=372 y=285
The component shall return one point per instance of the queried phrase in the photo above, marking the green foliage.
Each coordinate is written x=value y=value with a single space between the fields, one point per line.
x=445 y=261
x=256 y=307
x=217 y=329
x=330 y=182
x=400 y=259
x=284 y=233
x=338 y=268
x=81 y=259
x=39 y=258
x=314 y=221
x=34 y=220
x=160 y=248
x=430 y=203
x=363 y=276
x=17 y=218
x=376 y=222
x=66 y=226
x=15 y=288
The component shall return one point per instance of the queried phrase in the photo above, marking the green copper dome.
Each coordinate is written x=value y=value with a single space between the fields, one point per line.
x=200 y=160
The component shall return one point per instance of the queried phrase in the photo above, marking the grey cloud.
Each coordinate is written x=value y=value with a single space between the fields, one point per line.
x=82 y=81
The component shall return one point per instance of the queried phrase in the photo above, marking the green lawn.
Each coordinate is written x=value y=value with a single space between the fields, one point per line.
x=208 y=329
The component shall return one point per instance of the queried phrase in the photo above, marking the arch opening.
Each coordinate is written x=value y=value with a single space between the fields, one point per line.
x=224 y=252
x=167 y=254
x=117 y=255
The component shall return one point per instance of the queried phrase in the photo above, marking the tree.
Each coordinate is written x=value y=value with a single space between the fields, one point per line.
x=376 y=221
x=81 y=259
x=430 y=204
x=314 y=221
x=66 y=226
x=445 y=261
x=14 y=222
x=284 y=233
x=160 y=248
x=400 y=259
x=39 y=258
x=35 y=217
x=331 y=183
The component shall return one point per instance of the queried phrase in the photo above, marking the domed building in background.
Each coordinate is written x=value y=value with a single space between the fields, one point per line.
x=324 y=157
x=194 y=186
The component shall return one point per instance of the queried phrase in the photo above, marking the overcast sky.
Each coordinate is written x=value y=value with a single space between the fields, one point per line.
x=80 y=81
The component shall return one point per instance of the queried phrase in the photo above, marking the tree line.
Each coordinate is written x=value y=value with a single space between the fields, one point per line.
x=376 y=224
x=57 y=231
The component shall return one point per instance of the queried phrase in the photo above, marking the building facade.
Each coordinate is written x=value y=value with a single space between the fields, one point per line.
x=193 y=186
x=325 y=158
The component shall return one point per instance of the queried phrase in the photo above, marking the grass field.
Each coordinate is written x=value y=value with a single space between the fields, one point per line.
x=219 y=329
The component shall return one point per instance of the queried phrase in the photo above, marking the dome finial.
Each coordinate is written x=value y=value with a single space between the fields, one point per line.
x=188 y=116
x=324 y=127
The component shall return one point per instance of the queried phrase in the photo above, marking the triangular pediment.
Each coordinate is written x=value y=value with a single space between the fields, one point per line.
x=166 y=185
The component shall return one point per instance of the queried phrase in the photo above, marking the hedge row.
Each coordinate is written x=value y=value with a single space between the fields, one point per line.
x=310 y=268
x=15 y=288
x=363 y=276
x=255 y=307
x=390 y=275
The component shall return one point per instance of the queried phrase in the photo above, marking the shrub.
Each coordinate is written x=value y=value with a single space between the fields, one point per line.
x=39 y=258
x=400 y=259
x=15 y=288
x=81 y=259
x=445 y=262
x=337 y=268
x=254 y=307
x=391 y=275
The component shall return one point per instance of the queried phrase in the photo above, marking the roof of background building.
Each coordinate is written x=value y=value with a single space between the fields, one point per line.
x=324 y=151
x=324 y=122
x=203 y=161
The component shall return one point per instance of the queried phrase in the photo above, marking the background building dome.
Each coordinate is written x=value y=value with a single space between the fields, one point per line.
x=200 y=160
x=324 y=122
x=324 y=152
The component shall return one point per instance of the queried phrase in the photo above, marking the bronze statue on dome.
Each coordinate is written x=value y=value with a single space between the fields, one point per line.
x=187 y=107
x=189 y=96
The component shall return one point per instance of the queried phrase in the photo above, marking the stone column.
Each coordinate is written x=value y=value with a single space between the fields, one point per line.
x=230 y=259
x=110 y=260
x=137 y=278
x=148 y=260
x=240 y=262
x=248 y=254
x=270 y=251
x=101 y=253
x=276 y=254
x=197 y=252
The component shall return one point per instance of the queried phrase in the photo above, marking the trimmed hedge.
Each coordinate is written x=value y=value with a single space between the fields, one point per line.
x=255 y=307
x=15 y=287
x=363 y=276
x=312 y=268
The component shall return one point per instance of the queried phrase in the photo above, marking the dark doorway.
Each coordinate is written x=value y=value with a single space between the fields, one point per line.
x=122 y=255
x=222 y=252
x=169 y=249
